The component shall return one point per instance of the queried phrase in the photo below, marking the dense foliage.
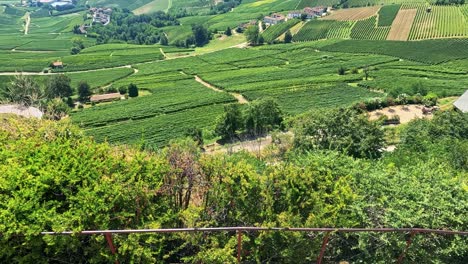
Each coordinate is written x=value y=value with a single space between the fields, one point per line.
x=54 y=178
x=137 y=29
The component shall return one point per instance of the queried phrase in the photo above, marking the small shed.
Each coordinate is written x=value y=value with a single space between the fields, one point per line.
x=57 y=64
x=105 y=97
x=462 y=103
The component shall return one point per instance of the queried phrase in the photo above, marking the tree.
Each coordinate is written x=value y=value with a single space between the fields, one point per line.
x=196 y=134
x=345 y=130
x=262 y=116
x=59 y=86
x=252 y=34
x=123 y=90
x=22 y=90
x=230 y=123
x=228 y=31
x=163 y=40
x=56 y=109
x=288 y=37
x=84 y=92
x=341 y=70
x=132 y=90
x=201 y=35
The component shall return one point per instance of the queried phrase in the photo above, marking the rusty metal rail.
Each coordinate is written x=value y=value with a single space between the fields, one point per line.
x=238 y=230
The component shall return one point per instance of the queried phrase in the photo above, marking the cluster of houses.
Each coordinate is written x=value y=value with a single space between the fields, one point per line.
x=101 y=15
x=307 y=13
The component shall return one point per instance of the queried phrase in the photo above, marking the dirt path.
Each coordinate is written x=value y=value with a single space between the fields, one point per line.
x=405 y=112
x=240 y=99
x=253 y=146
x=28 y=22
x=163 y=53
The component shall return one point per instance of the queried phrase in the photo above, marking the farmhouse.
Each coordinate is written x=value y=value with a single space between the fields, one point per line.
x=274 y=19
x=105 y=97
x=315 y=11
x=57 y=64
x=294 y=14
x=462 y=103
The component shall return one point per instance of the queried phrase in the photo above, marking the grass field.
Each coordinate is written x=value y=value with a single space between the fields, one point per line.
x=155 y=5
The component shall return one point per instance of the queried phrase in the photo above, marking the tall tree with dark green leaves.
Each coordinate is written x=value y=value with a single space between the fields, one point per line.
x=132 y=90
x=288 y=37
x=345 y=130
x=262 y=116
x=84 y=92
x=230 y=123
x=252 y=34
x=201 y=34
x=59 y=86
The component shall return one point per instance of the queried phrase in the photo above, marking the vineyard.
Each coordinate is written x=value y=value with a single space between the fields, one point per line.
x=274 y=31
x=357 y=3
x=387 y=14
x=314 y=30
x=340 y=30
x=441 y=22
x=312 y=3
x=366 y=29
x=428 y=51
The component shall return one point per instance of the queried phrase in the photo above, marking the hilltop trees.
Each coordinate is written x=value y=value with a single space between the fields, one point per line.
x=343 y=130
x=54 y=178
x=22 y=90
x=258 y=118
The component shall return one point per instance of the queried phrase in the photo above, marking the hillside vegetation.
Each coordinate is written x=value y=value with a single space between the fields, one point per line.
x=54 y=179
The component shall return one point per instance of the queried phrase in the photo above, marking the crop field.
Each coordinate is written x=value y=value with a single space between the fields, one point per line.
x=402 y=24
x=441 y=22
x=313 y=30
x=353 y=14
x=428 y=51
x=387 y=14
x=152 y=133
x=273 y=32
x=312 y=3
x=99 y=78
x=366 y=29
